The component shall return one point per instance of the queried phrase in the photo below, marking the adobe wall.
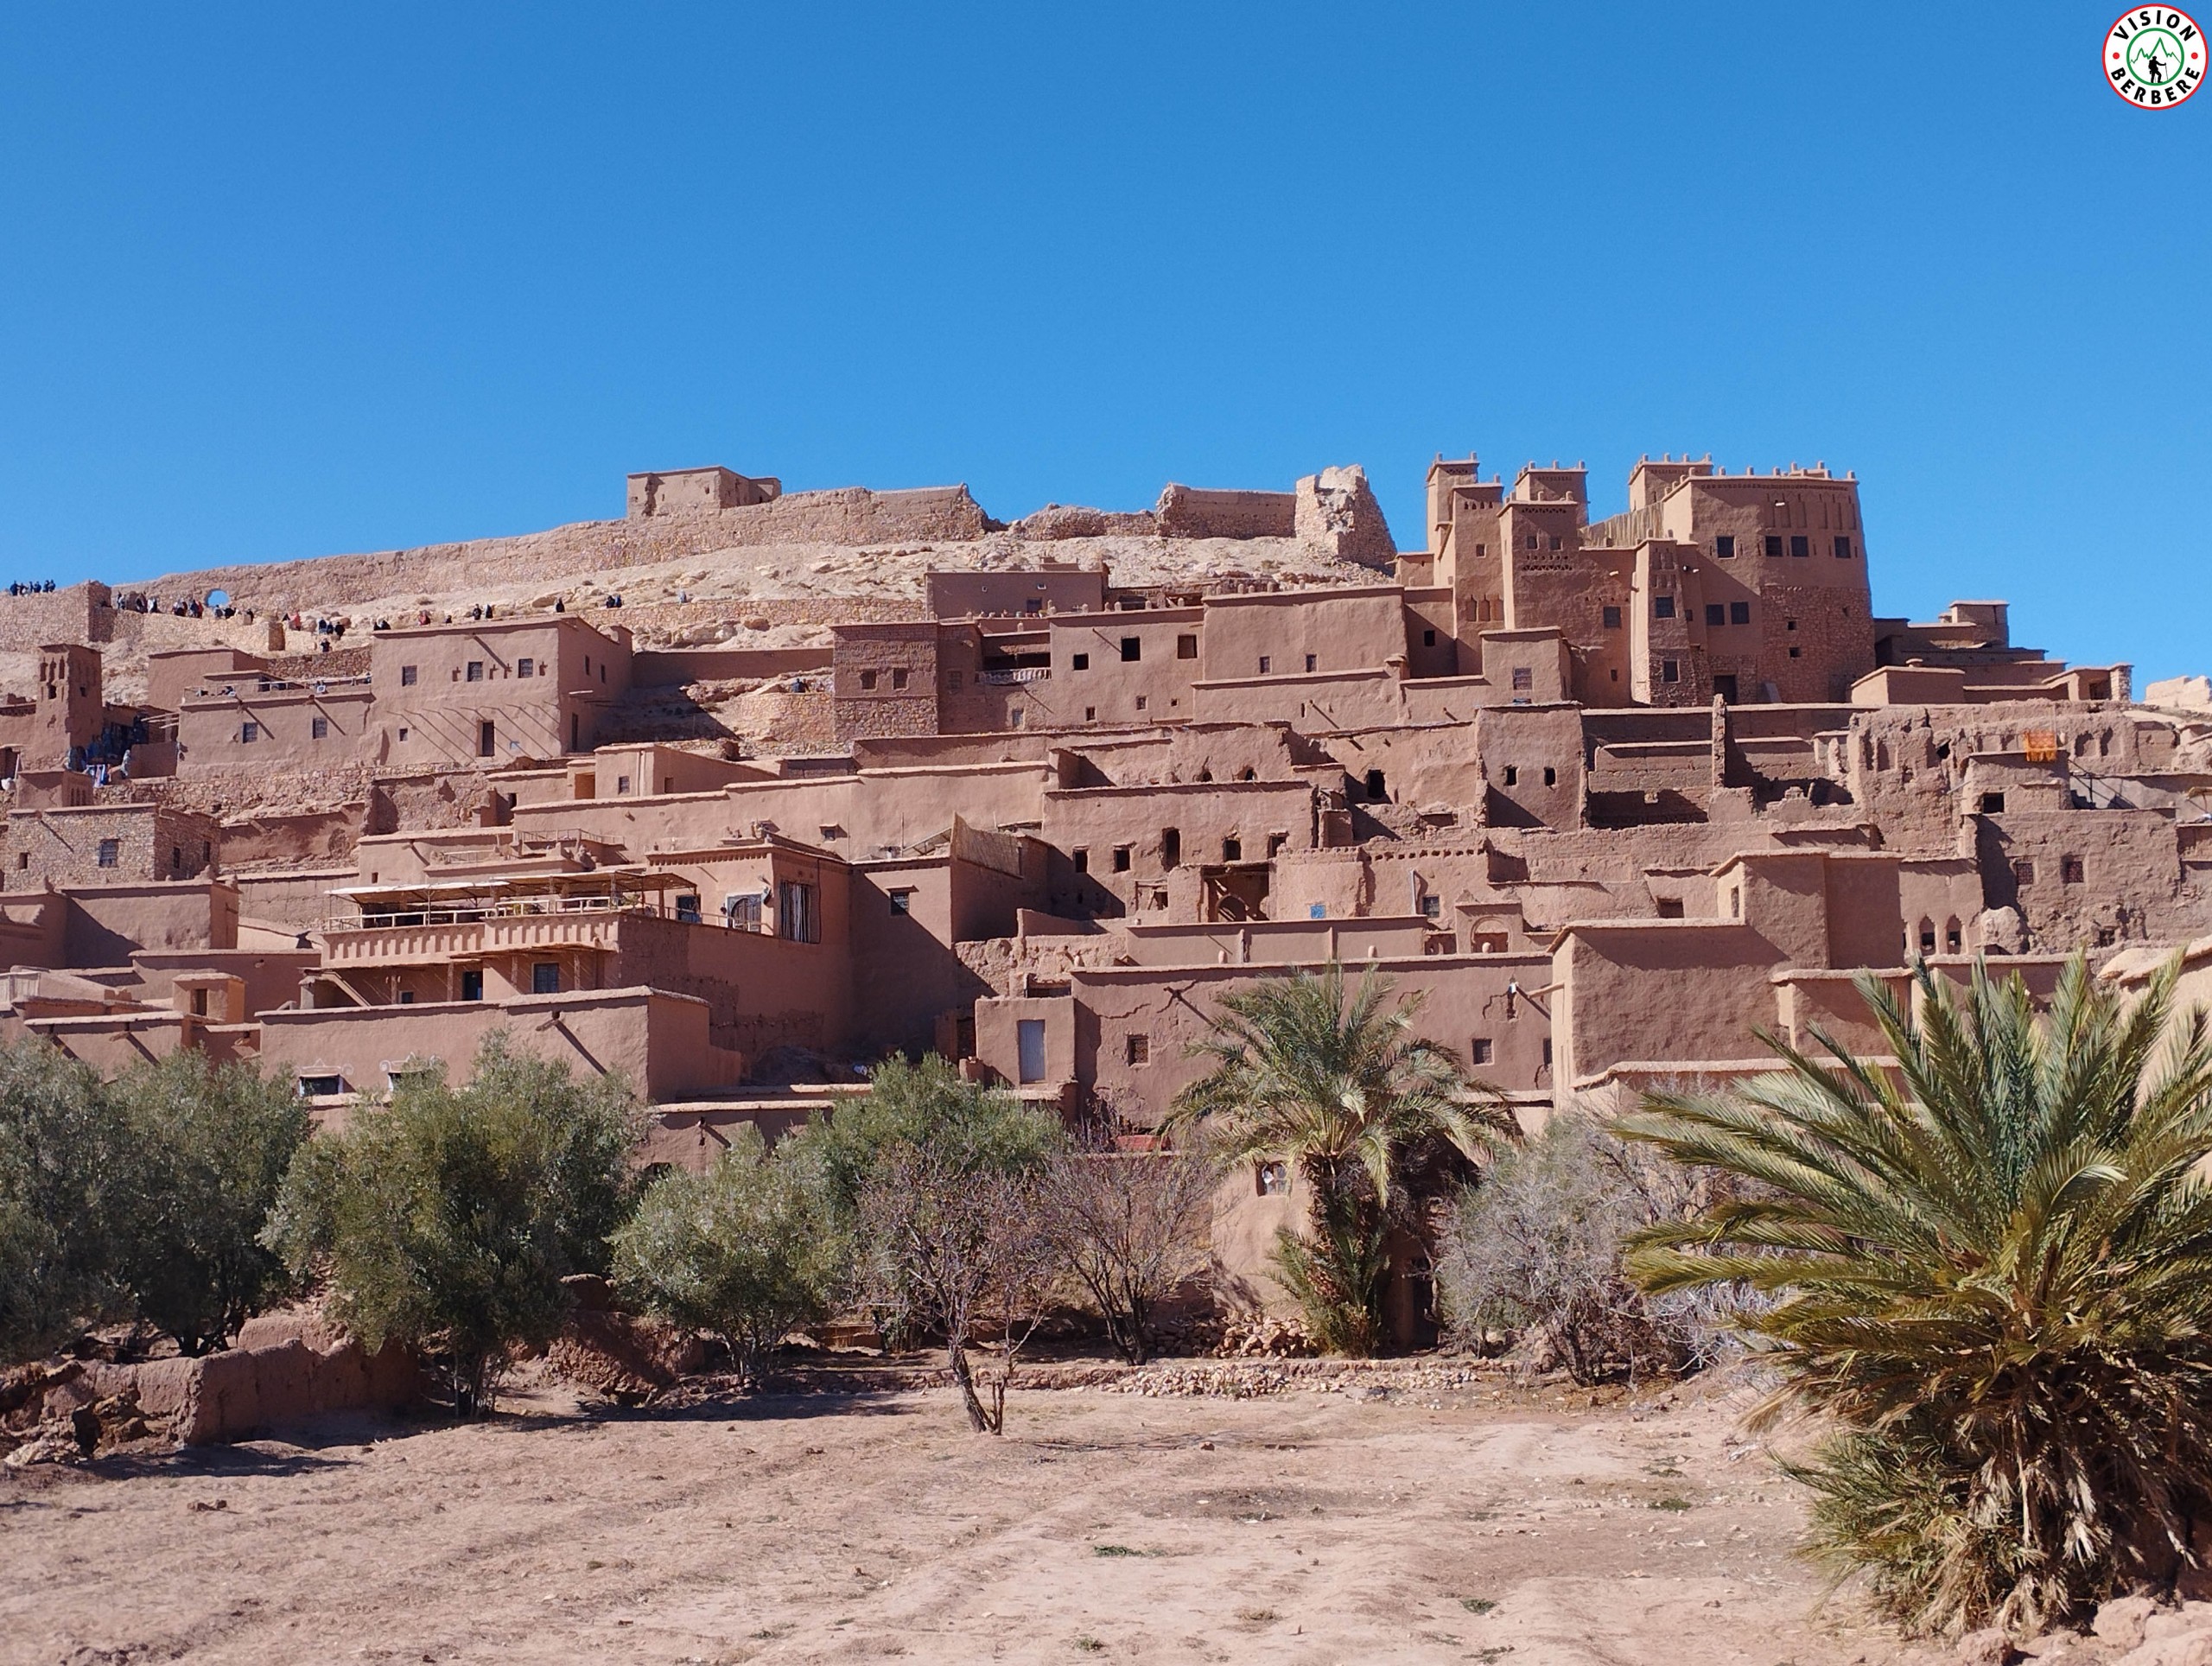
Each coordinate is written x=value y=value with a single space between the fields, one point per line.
x=282 y=729
x=968 y=595
x=673 y=667
x=106 y=924
x=1301 y=631
x=283 y=1368
x=657 y=1042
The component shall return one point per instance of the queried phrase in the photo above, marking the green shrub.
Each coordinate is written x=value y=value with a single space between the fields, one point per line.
x=68 y=1173
x=740 y=1251
x=448 y=1217
x=213 y=1142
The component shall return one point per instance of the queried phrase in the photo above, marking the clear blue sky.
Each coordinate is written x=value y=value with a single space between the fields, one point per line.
x=289 y=280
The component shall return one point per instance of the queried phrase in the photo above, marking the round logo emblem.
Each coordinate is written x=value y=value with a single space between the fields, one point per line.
x=2154 y=57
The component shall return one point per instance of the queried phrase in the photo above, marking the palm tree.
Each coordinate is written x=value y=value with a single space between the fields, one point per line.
x=1342 y=1087
x=1988 y=1264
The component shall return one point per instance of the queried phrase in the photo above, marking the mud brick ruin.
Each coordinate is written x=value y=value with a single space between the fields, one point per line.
x=738 y=792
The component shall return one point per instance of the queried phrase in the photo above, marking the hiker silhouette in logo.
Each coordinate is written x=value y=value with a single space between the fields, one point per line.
x=2157 y=67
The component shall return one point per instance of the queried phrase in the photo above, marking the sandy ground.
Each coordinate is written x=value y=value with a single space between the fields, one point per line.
x=1487 y=1525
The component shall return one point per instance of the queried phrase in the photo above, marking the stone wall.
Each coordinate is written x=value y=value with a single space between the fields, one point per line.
x=78 y=613
x=852 y=515
x=1186 y=511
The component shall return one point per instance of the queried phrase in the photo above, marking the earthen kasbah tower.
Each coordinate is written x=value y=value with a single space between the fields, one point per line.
x=738 y=792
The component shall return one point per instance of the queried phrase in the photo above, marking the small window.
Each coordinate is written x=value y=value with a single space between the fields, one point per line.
x=1132 y=648
x=1612 y=618
x=1090 y=714
x=1993 y=803
x=1789 y=623
x=1137 y=1049
x=487 y=739
x=1927 y=936
x=1428 y=638
x=2070 y=870
x=1843 y=548
x=475 y=673
x=1232 y=850
x=1547 y=1052
x=621 y=784
x=902 y=902
x=1670 y=907
x=1800 y=545
x=898 y=677
x=1080 y=662
x=1081 y=858
x=1715 y=613
x=1953 y=939
x=1480 y=1050
x=1551 y=776
x=1555 y=541
x=1724 y=547
x=321 y=1087
x=525 y=667
x=2023 y=872
x=545 y=977
x=952 y=680
x=1376 y=789
x=1171 y=847
x=1277 y=842
x=1186 y=646
x=1797 y=653
x=1773 y=547
x=1312 y=662
x=407 y=997
x=472 y=986
x=407 y=676
x=319 y=729
x=1663 y=607
x=867 y=680
x=1121 y=859
x=1140 y=701
x=1272 y=1179
x=249 y=733
x=403 y=731
x=1739 y=612
x=1513 y=775
x=1524 y=676
x=176 y=859
x=1266 y=664
x=110 y=852
x=22 y=858
x=1671 y=670
x=687 y=908
x=1432 y=907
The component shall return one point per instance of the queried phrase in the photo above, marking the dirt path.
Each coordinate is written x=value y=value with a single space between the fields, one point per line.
x=1305 y=1527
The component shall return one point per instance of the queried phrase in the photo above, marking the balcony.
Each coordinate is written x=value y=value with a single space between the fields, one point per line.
x=421 y=941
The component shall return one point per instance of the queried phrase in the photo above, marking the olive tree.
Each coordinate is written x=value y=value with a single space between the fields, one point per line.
x=211 y=1144
x=449 y=1216
x=740 y=1251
